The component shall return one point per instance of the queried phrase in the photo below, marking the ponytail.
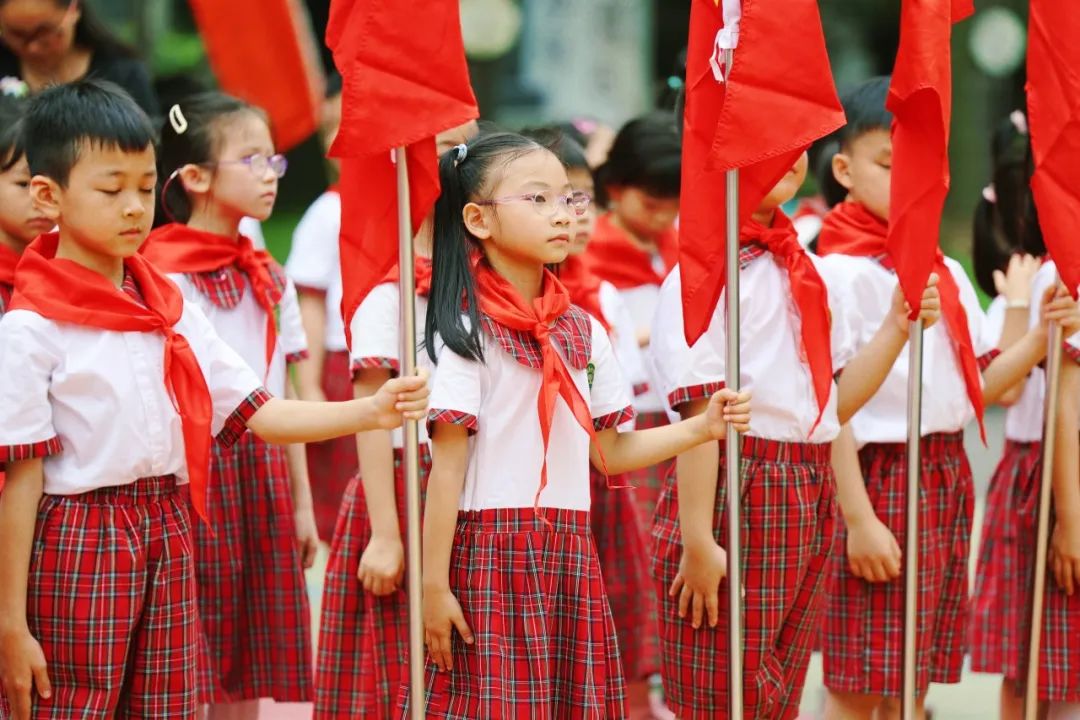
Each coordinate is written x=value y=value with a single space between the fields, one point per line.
x=466 y=174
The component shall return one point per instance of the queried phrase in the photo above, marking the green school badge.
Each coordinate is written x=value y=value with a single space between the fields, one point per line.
x=591 y=370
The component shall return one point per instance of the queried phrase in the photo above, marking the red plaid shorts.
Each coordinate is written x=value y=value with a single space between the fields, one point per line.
x=788 y=497
x=252 y=595
x=545 y=640
x=111 y=599
x=864 y=622
x=332 y=463
x=622 y=547
x=1003 y=566
x=363 y=640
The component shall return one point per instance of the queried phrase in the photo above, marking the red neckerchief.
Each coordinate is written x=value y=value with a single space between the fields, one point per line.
x=8 y=260
x=499 y=300
x=64 y=291
x=810 y=295
x=851 y=229
x=176 y=248
x=584 y=288
x=422 y=268
x=613 y=257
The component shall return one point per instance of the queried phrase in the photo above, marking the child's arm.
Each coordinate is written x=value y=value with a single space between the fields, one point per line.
x=307 y=534
x=298 y=421
x=22 y=662
x=626 y=451
x=1014 y=284
x=864 y=374
x=382 y=563
x=704 y=563
x=309 y=372
x=442 y=612
x=872 y=550
x=1064 y=554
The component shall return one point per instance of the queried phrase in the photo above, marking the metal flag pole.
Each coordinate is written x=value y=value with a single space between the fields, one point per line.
x=733 y=450
x=414 y=576
x=909 y=700
x=1038 y=586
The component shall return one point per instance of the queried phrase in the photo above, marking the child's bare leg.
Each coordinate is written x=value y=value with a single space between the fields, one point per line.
x=850 y=706
x=889 y=709
x=244 y=710
x=1012 y=703
x=1063 y=711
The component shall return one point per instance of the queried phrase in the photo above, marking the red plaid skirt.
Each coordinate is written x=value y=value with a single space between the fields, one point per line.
x=648 y=481
x=252 y=596
x=622 y=548
x=788 y=510
x=332 y=463
x=363 y=640
x=1003 y=567
x=545 y=640
x=864 y=622
x=111 y=599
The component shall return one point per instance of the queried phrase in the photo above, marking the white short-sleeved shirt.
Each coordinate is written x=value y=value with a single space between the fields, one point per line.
x=252 y=229
x=623 y=336
x=668 y=355
x=314 y=261
x=784 y=404
x=496 y=400
x=94 y=401
x=243 y=327
x=1023 y=419
x=946 y=407
x=376 y=332
x=641 y=303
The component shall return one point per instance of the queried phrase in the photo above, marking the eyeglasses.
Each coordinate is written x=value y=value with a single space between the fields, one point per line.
x=547 y=203
x=259 y=164
x=44 y=32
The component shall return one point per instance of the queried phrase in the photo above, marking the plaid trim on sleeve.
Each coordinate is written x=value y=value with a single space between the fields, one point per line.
x=683 y=395
x=612 y=420
x=374 y=363
x=1072 y=352
x=29 y=451
x=452 y=417
x=641 y=388
x=309 y=289
x=293 y=358
x=985 y=359
x=236 y=425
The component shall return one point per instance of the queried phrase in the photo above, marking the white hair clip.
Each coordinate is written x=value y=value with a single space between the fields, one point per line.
x=462 y=153
x=1019 y=121
x=989 y=194
x=177 y=120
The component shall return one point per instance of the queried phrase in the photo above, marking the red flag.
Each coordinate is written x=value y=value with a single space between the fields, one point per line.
x=778 y=100
x=286 y=80
x=1053 y=91
x=404 y=79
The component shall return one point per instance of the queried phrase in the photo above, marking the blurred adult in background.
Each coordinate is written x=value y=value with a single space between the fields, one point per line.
x=49 y=42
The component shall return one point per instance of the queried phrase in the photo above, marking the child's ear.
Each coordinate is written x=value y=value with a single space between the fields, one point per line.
x=195 y=178
x=476 y=221
x=841 y=170
x=45 y=195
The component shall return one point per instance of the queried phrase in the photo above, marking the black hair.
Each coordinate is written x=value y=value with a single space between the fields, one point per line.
x=12 y=111
x=61 y=120
x=864 y=106
x=334 y=85
x=646 y=154
x=90 y=33
x=569 y=151
x=200 y=116
x=1008 y=223
x=454 y=249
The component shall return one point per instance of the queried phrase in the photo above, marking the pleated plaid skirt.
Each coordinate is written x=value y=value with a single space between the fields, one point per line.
x=864 y=622
x=1003 y=565
x=363 y=639
x=788 y=503
x=111 y=599
x=621 y=545
x=332 y=464
x=545 y=643
x=649 y=481
x=252 y=596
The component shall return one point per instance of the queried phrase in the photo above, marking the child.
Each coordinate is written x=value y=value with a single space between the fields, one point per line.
x=114 y=386
x=1003 y=217
x=635 y=245
x=314 y=266
x=20 y=222
x=528 y=394
x=789 y=362
x=863 y=645
x=219 y=158
x=364 y=629
x=618 y=526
